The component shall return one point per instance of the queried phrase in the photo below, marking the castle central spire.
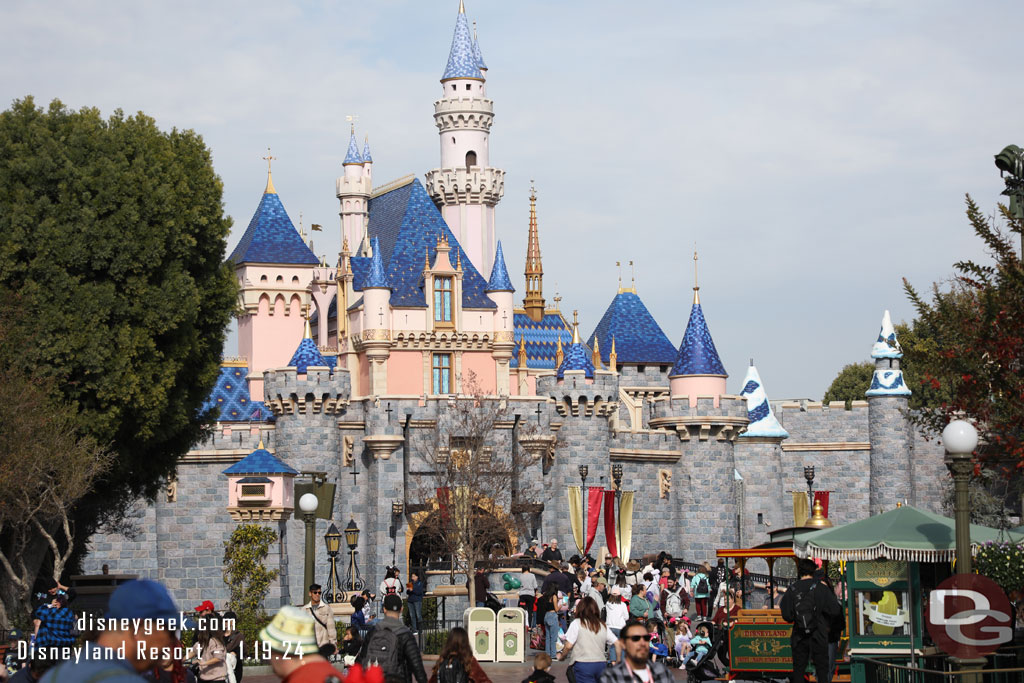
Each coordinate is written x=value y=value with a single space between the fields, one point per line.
x=534 y=301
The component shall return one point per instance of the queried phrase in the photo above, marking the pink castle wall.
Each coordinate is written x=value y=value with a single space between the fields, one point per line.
x=693 y=386
x=405 y=372
x=484 y=367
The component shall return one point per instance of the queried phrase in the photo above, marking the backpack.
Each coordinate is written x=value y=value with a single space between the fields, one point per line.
x=805 y=610
x=702 y=585
x=390 y=586
x=382 y=649
x=452 y=671
x=674 y=603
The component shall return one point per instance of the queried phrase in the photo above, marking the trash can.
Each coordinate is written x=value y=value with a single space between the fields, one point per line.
x=479 y=622
x=511 y=626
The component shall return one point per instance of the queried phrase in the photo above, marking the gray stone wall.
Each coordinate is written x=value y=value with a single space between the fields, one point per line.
x=759 y=462
x=891 y=448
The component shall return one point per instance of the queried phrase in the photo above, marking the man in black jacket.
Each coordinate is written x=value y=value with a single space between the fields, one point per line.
x=811 y=607
x=409 y=659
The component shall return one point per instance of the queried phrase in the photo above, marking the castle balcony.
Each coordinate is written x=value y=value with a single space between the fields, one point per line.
x=458 y=185
x=702 y=421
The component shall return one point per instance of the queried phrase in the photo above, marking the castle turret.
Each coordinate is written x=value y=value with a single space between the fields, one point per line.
x=888 y=429
x=367 y=159
x=577 y=358
x=698 y=371
x=500 y=291
x=377 y=321
x=465 y=186
x=353 y=191
x=274 y=268
x=758 y=454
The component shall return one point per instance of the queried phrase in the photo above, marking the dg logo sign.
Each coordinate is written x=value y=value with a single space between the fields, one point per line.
x=969 y=616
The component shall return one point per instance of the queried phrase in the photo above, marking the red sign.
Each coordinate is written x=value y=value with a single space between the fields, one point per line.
x=969 y=616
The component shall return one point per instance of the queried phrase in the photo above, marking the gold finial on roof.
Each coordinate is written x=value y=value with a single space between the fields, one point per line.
x=462 y=7
x=426 y=258
x=618 y=264
x=613 y=357
x=597 y=354
x=307 y=332
x=575 y=327
x=352 y=118
x=270 y=179
x=344 y=245
x=522 y=352
x=696 y=285
x=559 y=354
x=632 y=277
x=261 y=446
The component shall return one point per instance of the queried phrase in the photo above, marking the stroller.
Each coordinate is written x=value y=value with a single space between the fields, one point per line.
x=705 y=667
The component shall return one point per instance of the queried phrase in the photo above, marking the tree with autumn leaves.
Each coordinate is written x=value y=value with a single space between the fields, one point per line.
x=967 y=345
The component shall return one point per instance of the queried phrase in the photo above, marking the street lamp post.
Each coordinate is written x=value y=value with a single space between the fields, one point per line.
x=308 y=504
x=584 y=471
x=960 y=439
x=809 y=476
x=396 y=513
x=353 y=582
x=333 y=541
x=617 y=479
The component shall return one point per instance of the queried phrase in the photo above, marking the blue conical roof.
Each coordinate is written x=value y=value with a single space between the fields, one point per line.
x=499 y=281
x=462 y=62
x=353 y=156
x=697 y=353
x=577 y=357
x=271 y=237
x=366 y=151
x=376 y=277
x=477 y=55
x=260 y=461
x=638 y=338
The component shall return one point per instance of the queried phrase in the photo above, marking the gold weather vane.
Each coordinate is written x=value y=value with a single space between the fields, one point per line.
x=352 y=118
x=270 y=179
x=696 y=284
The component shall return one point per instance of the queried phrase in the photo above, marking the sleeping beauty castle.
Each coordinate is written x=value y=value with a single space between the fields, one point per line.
x=343 y=366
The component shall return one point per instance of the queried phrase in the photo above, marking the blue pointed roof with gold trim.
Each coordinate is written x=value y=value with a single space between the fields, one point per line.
x=540 y=338
x=377 y=277
x=697 y=353
x=352 y=156
x=638 y=338
x=261 y=461
x=462 y=61
x=271 y=237
x=500 y=281
x=230 y=397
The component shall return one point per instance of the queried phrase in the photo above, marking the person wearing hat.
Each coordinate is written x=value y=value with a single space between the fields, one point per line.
x=531 y=550
x=326 y=633
x=294 y=655
x=119 y=656
x=391 y=646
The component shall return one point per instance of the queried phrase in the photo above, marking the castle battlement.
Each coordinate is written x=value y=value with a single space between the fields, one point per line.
x=704 y=420
x=830 y=408
x=318 y=391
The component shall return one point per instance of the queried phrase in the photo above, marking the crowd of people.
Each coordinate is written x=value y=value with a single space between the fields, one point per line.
x=612 y=621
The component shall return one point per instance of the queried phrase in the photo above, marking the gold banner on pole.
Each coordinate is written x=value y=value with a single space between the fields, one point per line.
x=576 y=516
x=800 y=511
x=625 y=530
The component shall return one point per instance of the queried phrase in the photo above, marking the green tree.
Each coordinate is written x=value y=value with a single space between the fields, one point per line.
x=113 y=236
x=247 y=576
x=851 y=383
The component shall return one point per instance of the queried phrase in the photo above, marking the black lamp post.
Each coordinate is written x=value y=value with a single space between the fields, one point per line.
x=353 y=582
x=396 y=512
x=960 y=439
x=584 y=471
x=333 y=541
x=809 y=476
x=617 y=479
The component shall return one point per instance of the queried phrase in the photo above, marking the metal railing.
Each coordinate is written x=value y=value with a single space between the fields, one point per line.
x=434 y=634
x=998 y=669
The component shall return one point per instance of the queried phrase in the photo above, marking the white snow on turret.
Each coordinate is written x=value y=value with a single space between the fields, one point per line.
x=759 y=411
x=887 y=345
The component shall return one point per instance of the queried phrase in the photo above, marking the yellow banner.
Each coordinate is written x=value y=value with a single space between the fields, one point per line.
x=576 y=516
x=800 y=511
x=625 y=526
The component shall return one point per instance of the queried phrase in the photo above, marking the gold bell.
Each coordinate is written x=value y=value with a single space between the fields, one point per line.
x=818 y=519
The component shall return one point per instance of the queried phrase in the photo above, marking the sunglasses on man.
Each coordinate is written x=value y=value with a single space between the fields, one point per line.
x=636 y=639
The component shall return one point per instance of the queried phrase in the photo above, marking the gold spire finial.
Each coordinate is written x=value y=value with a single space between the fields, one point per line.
x=261 y=446
x=344 y=245
x=597 y=353
x=352 y=118
x=618 y=264
x=270 y=179
x=613 y=357
x=307 y=332
x=533 y=303
x=696 y=285
x=559 y=354
x=462 y=7
x=522 y=352
x=575 y=327
x=632 y=277
x=426 y=258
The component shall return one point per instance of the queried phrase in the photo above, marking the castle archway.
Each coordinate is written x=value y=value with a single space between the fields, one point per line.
x=425 y=538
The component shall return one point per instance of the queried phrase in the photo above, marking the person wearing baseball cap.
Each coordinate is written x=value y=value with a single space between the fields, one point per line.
x=118 y=655
x=294 y=654
x=205 y=608
x=400 y=663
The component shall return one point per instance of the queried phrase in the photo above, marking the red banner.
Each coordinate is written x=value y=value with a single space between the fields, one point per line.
x=821 y=497
x=609 y=522
x=443 y=499
x=594 y=495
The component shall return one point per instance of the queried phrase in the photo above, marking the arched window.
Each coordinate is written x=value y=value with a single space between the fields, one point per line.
x=470 y=159
x=280 y=278
x=263 y=278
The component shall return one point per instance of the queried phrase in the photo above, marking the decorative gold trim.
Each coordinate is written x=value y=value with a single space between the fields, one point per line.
x=827 y=446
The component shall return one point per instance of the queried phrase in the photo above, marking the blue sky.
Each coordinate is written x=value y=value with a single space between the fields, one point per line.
x=816 y=152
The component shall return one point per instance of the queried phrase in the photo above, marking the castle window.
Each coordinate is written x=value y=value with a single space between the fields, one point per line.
x=454 y=86
x=442 y=299
x=470 y=159
x=469 y=86
x=263 y=278
x=442 y=373
x=280 y=278
x=640 y=369
x=295 y=280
